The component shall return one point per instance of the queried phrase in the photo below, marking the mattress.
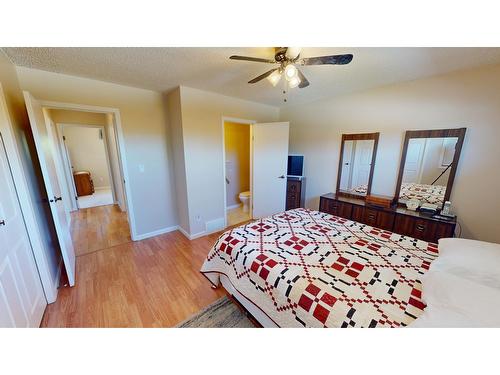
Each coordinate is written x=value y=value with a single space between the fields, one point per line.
x=304 y=268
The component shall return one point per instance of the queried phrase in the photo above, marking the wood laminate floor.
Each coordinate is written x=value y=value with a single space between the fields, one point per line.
x=150 y=283
x=98 y=228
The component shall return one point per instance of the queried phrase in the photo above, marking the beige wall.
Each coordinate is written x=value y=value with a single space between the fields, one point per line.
x=61 y=116
x=86 y=151
x=144 y=123
x=463 y=99
x=202 y=114
x=173 y=102
x=47 y=253
x=237 y=147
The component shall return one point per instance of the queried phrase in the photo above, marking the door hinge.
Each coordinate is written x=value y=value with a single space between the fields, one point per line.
x=76 y=198
x=64 y=138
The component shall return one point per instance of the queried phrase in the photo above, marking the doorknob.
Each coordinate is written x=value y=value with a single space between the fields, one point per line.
x=57 y=199
x=282 y=176
x=2 y=222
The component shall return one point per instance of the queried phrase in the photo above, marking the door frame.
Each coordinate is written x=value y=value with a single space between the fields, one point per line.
x=225 y=119
x=28 y=210
x=66 y=160
x=120 y=143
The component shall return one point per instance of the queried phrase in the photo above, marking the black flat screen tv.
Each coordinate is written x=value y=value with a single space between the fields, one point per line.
x=295 y=165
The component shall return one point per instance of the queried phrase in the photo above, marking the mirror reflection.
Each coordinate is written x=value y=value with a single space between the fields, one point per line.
x=356 y=166
x=427 y=169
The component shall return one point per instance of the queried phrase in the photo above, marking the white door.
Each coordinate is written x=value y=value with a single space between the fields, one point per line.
x=45 y=150
x=362 y=162
x=22 y=301
x=413 y=162
x=345 y=177
x=269 y=164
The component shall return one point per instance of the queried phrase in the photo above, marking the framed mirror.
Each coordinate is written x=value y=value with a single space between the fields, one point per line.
x=428 y=166
x=357 y=159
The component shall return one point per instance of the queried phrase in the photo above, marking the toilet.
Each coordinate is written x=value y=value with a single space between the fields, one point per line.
x=245 y=199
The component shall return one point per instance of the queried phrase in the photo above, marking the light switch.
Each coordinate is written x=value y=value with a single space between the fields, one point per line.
x=141 y=168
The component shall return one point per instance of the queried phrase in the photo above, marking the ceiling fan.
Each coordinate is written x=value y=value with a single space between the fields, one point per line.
x=287 y=58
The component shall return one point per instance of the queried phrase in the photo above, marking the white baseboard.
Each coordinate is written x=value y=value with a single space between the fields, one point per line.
x=234 y=206
x=155 y=233
x=196 y=235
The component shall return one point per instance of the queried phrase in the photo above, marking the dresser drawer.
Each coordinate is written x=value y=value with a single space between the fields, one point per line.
x=358 y=213
x=370 y=217
x=385 y=220
x=336 y=208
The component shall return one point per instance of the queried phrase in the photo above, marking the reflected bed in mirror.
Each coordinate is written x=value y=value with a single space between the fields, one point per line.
x=428 y=166
x=357 y=158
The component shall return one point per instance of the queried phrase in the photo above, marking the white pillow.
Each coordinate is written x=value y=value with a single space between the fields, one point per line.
x=456 y=302
x=473 y=260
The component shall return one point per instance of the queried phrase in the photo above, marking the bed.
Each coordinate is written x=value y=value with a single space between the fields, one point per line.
x=433 y=194
x=304 y=268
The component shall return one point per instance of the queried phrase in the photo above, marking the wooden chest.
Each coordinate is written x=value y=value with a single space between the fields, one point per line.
x=83 y=183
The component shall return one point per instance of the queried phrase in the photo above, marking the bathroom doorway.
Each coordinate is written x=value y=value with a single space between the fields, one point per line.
x=237 y=171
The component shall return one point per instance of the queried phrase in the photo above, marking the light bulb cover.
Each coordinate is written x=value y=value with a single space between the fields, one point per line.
x=293 y=82
x=290 y=71
x=274 y=78
x=293 y=52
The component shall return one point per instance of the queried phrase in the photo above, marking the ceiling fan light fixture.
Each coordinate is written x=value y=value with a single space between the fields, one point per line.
x=293 y=52
x=274 y=78
x=290 y=71
x=293 y=82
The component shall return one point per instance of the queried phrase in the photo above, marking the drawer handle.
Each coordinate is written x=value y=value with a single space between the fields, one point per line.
x=371 y=216
x=2 y=222
x=420 y=227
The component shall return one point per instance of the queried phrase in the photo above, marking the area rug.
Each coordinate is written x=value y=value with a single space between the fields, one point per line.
x=223 y=313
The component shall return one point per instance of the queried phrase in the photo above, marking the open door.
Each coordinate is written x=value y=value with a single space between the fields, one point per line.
x=44 y=148
x=269 y=167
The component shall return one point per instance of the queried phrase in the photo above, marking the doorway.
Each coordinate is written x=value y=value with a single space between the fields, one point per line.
x=266 y=147
x=91 y=178
x=98 y=228
x=237 y=146
x=86 y=160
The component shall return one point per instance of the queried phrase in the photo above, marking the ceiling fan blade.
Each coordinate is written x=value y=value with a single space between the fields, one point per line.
x=333 y=60
x=262 y=76
x=303 y=80
x=254 y=59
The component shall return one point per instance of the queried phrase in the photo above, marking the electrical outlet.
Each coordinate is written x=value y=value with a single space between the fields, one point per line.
x=198 y=217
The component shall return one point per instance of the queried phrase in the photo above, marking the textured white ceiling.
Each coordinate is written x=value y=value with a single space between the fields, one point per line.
x=210 y=69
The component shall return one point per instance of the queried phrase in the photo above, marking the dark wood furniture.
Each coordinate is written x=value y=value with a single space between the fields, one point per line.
x=357 y=137
x=295 y=192
x=395 y=219
x=83 y=183
x=440 y=133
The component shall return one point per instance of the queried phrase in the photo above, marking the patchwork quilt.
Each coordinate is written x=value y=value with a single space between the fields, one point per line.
x=306 y=268
x=424 y=193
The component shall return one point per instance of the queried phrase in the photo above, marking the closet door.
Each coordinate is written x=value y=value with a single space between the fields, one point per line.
x=22 y=301
x=269 y=166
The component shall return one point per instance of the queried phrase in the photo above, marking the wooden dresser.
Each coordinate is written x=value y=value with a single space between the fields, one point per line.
x=83 y=183
x=295 y=192
x=398 y=220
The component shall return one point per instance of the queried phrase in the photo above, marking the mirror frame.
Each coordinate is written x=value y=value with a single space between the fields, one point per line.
x=357 y=137
x=439 y=133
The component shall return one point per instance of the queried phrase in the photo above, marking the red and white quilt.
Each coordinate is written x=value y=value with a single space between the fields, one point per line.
x=310 y=269
x=433 y=194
